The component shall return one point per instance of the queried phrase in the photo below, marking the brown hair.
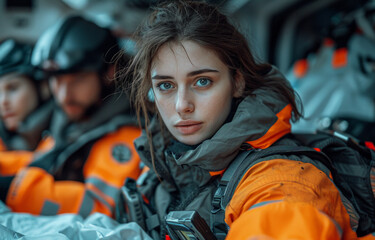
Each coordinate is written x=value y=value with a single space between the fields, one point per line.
x=201 y=23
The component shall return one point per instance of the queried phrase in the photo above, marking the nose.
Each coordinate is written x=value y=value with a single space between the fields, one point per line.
x=4 y=100
x=184 y=101
x=63 y=91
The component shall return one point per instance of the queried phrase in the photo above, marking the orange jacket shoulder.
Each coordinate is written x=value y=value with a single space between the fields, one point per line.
x=287 y=181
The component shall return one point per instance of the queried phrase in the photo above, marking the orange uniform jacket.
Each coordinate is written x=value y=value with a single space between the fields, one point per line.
x=111 y=160
x=12 y=161
x=289 y=200
x=279 y=197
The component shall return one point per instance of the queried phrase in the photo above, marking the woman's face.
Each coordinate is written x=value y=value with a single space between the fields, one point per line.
x=18 y=98
x=193 y=90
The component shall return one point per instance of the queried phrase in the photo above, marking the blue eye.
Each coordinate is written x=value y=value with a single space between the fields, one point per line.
x=203 y=82
x=164 y=86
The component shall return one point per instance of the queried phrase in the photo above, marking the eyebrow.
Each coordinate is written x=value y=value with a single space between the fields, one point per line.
x=190 y=74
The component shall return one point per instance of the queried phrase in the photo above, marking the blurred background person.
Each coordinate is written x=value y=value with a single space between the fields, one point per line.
x=93 y=127
x=24 y=107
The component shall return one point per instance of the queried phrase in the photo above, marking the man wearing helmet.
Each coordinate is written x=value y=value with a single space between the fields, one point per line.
x=92 y=126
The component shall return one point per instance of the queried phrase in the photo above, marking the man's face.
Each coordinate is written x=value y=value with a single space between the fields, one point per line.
x=75 y=93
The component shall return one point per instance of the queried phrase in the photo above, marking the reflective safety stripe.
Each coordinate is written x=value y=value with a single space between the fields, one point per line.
x=110 y=192
x=338 y=227
x=50 y=208
x=353 y=214
x=86 y=205
x=264 y=203
x=99 y=195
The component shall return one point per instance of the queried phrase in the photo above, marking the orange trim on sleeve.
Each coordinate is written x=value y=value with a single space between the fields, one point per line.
x=45 y=144
x=340 y=58
x=278 y=130
x=217 y=172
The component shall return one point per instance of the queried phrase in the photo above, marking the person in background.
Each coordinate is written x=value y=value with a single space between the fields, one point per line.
x=212 y=101
x=93 y=127
x=25 y=108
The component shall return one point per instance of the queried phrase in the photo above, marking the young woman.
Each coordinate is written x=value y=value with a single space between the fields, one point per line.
x=211 y=100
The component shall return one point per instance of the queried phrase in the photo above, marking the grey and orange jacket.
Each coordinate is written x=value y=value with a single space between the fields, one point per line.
x=86 y=168
x=280 y=197
x=17 y=148
x=30 y=134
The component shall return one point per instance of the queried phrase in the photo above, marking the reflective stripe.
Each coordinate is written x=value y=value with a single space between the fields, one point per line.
x=95 y=192
x=107 y=190
x=50 y=208
x=353 y=214
x=264 y=203
x=338 y=227
x=86 y=205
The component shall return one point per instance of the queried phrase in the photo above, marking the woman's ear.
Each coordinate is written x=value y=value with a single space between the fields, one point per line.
x=239 y=85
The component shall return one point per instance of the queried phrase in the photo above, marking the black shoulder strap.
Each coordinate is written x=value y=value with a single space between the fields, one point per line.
x=218 y=226
x=233 y=175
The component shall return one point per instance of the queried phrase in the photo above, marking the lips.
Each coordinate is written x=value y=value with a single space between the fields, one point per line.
x=188 y=127
x=8 y=115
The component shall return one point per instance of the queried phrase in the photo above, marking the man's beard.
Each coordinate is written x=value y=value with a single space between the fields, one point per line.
x=88 y=111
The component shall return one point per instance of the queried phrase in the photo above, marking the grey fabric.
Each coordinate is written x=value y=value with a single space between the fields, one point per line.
x=347 y=91
x=49 y=208
x=23 y=226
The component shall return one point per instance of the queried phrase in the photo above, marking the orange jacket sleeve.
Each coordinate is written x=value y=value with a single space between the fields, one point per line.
x=35 y=191
x=285 y=199
x=12 y=161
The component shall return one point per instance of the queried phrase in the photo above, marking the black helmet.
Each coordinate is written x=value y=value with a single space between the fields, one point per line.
x=15 y=57
x=74 y=44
